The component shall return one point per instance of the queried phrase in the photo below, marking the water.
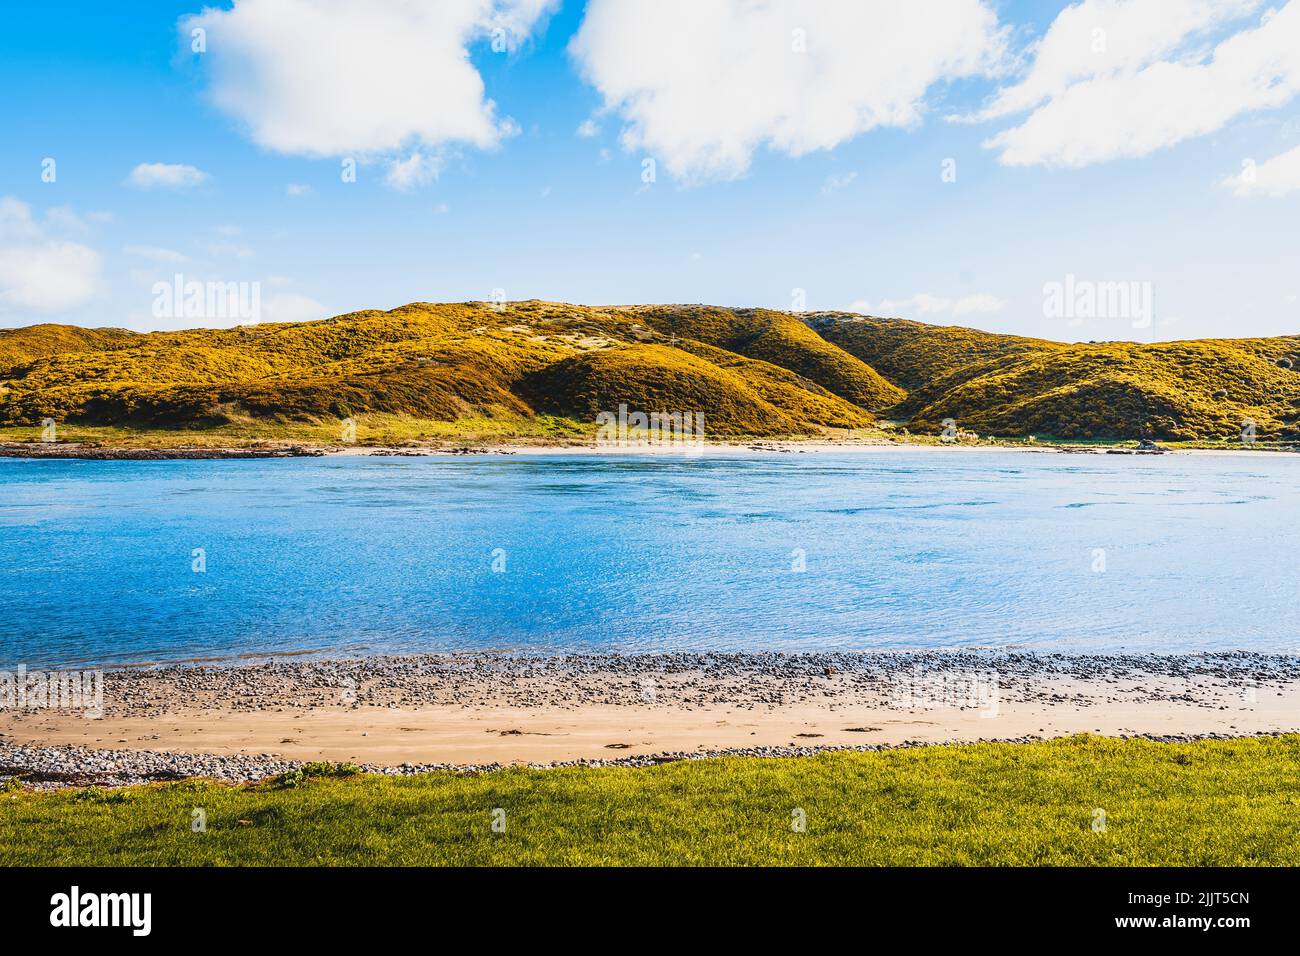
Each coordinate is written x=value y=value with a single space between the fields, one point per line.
x=902 y=549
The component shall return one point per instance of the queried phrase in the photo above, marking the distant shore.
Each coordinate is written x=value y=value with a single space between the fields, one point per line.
x=477 y=711
x=54 y=450
x=99 y=452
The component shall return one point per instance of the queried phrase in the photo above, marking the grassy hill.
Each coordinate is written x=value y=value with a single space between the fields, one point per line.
x=752 y=372
x=1012 y=386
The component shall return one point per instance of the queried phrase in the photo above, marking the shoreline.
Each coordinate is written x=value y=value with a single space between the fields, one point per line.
x=475 y=712
x=37 y=450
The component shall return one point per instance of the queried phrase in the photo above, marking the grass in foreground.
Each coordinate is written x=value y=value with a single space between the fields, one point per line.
x=1207 y=803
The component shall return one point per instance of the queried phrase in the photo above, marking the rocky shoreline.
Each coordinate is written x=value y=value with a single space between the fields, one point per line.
x=670 y=684
x=480 y=678
x=101 y=453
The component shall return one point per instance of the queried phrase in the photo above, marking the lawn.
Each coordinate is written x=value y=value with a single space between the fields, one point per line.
x=1080 y=801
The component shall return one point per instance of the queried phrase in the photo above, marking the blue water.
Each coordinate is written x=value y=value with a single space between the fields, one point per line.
x=902 y=550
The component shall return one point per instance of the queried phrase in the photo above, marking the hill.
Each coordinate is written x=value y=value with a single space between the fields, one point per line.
x=752 y=372
x=1012 y=386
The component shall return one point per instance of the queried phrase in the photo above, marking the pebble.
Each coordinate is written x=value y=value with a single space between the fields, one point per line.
x=675 y=680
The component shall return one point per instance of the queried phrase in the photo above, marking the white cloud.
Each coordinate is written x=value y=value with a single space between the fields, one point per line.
x=417 y=169
x=63 y=218
x=981 y=302
x=16 y=220
x=231 y=250
x=40 y=272
x=927 y=304
x=1153 y=93
x=1278 y=176
x=50 y=277
x=298 y=189
x=165 y=176
x=155 y=254
x=288 y=307
x=588 y=128
x=1106 y=37
x=701 y=86
x=837 y=181
x=923 y=303
x=511 y=21
x=358 y=77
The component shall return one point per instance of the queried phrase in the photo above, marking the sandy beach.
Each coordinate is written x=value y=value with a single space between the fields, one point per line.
x=475 y=711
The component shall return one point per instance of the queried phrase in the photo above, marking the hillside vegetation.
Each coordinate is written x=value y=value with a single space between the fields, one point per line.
x=752 y=372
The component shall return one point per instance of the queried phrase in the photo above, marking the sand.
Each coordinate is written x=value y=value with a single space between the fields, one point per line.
x=476 y=709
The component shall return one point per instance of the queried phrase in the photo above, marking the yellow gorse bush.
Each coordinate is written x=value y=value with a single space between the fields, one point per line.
x=750 y=371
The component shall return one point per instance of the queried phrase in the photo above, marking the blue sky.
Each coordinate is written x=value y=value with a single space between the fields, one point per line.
x=819 y=183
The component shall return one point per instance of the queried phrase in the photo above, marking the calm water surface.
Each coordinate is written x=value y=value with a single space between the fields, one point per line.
x=900 y=549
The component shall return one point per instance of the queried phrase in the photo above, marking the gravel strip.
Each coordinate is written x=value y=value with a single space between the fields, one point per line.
x=668 y=681
x=674 y=680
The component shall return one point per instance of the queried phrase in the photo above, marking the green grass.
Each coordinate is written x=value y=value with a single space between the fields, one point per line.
x=1206 y=803
x=375 y=429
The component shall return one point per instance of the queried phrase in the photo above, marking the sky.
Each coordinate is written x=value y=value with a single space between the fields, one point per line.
x=1108 y=169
